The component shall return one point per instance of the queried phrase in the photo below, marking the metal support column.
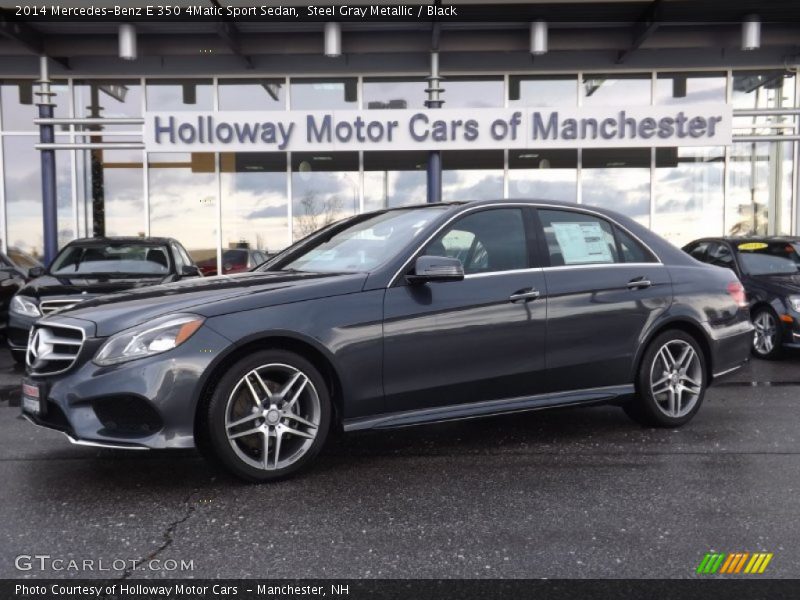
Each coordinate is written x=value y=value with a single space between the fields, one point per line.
x=48 y=159
x=434 y=100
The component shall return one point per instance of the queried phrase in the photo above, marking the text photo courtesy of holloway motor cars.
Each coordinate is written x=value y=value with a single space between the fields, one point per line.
x=432 y=299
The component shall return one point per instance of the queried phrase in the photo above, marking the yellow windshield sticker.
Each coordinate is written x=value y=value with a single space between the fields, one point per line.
x=753 y=246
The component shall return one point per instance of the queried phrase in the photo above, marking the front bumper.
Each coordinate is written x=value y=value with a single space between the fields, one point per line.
x=790 y=332
x=145 y=403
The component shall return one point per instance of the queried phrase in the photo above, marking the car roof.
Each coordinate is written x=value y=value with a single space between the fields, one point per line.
x=735 y=239
x=123 y=239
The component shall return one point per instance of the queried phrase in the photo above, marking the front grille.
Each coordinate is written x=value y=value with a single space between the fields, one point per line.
x=53 y=348
x=51 y=306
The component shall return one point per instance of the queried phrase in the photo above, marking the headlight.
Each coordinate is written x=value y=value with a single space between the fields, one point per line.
x=148 y=339
x=23 y=305
x=794 y=301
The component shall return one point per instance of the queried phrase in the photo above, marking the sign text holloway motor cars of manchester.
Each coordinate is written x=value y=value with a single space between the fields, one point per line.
x=444 y=129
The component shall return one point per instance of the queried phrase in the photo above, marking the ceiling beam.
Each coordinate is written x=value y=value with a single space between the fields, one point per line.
x=229 y=33
x=642 y=29
x=27 y=37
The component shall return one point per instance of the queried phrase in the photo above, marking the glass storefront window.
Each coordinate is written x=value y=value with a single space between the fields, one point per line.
x=324 y=94
x=472 y=175
x=689 y=193
x=759 y=188
x=473 y=92
x=255 y=208
x=387 y=92
x=619 y=89
x=325 y=188
x=183 y=200
x=763 y=89
x=619 y=179
x=544 y=174
x=252 y=94
x=108 y=98
x=690 y=87
x=180 y=94
x=394 y=179
x=18 y=103
x=23 y=191
x=112 y=191
x=543 y=90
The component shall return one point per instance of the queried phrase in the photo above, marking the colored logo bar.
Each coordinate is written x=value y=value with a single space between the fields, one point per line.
x=734 y=563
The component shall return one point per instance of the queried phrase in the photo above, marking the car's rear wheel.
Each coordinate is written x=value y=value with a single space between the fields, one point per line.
x=767 y=335
x=269 y=416
x=671 y=382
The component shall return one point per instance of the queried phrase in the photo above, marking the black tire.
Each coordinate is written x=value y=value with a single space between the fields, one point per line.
x=651 y=409
x=764 y=319
x=214 y=440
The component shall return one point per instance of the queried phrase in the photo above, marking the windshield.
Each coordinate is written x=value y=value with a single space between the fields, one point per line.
x=366 y=243
x=112 y=259
x=768 y=258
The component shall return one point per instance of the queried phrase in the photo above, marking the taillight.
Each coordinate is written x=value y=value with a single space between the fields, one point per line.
x=736 y=290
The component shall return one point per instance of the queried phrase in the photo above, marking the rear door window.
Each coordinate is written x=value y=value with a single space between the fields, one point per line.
x=575 y=238
x=631 y=250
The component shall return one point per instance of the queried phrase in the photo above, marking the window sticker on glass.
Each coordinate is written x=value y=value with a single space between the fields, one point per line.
x=582 y=243
x=753 y=246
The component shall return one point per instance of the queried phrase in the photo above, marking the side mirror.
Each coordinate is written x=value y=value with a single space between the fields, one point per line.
x=436 y=268
x=190 y=271
x=35 y=272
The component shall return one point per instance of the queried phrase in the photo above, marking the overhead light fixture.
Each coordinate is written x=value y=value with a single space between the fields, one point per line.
x=751 y=33
x=333 y=39
x=127 y=42
x=539 y=37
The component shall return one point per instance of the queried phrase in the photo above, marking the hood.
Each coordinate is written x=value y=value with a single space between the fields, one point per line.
x=211 y=296
x=52 y=285
x=780 y=284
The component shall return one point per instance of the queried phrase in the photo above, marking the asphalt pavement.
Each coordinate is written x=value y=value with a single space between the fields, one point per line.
x=566 y=493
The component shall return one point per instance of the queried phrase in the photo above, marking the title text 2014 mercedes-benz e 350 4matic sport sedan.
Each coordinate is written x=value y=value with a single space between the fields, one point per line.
x=394 y=318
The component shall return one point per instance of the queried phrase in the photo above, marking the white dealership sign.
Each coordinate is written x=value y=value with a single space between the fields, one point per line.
x=442 y=129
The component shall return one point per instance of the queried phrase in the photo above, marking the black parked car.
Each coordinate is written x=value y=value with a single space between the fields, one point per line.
x=90 y=267
x=14 y=268
x=394 y=318
x=768 y=268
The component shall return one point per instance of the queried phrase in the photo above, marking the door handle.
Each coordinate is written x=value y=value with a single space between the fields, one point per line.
x=524 y=295
x=639 y=283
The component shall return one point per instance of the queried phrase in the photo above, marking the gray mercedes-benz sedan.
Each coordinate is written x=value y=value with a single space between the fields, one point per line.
x=394 y=318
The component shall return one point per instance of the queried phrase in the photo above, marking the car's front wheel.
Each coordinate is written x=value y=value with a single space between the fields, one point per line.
x=268 y=416
x=767 y=335
x=671 y=382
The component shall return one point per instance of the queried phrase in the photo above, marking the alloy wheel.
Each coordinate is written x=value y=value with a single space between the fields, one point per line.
x=676 y=378
x=272 y=416
x=765 y=332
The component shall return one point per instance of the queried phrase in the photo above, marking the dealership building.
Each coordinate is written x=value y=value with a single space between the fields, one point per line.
x=253 y=133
